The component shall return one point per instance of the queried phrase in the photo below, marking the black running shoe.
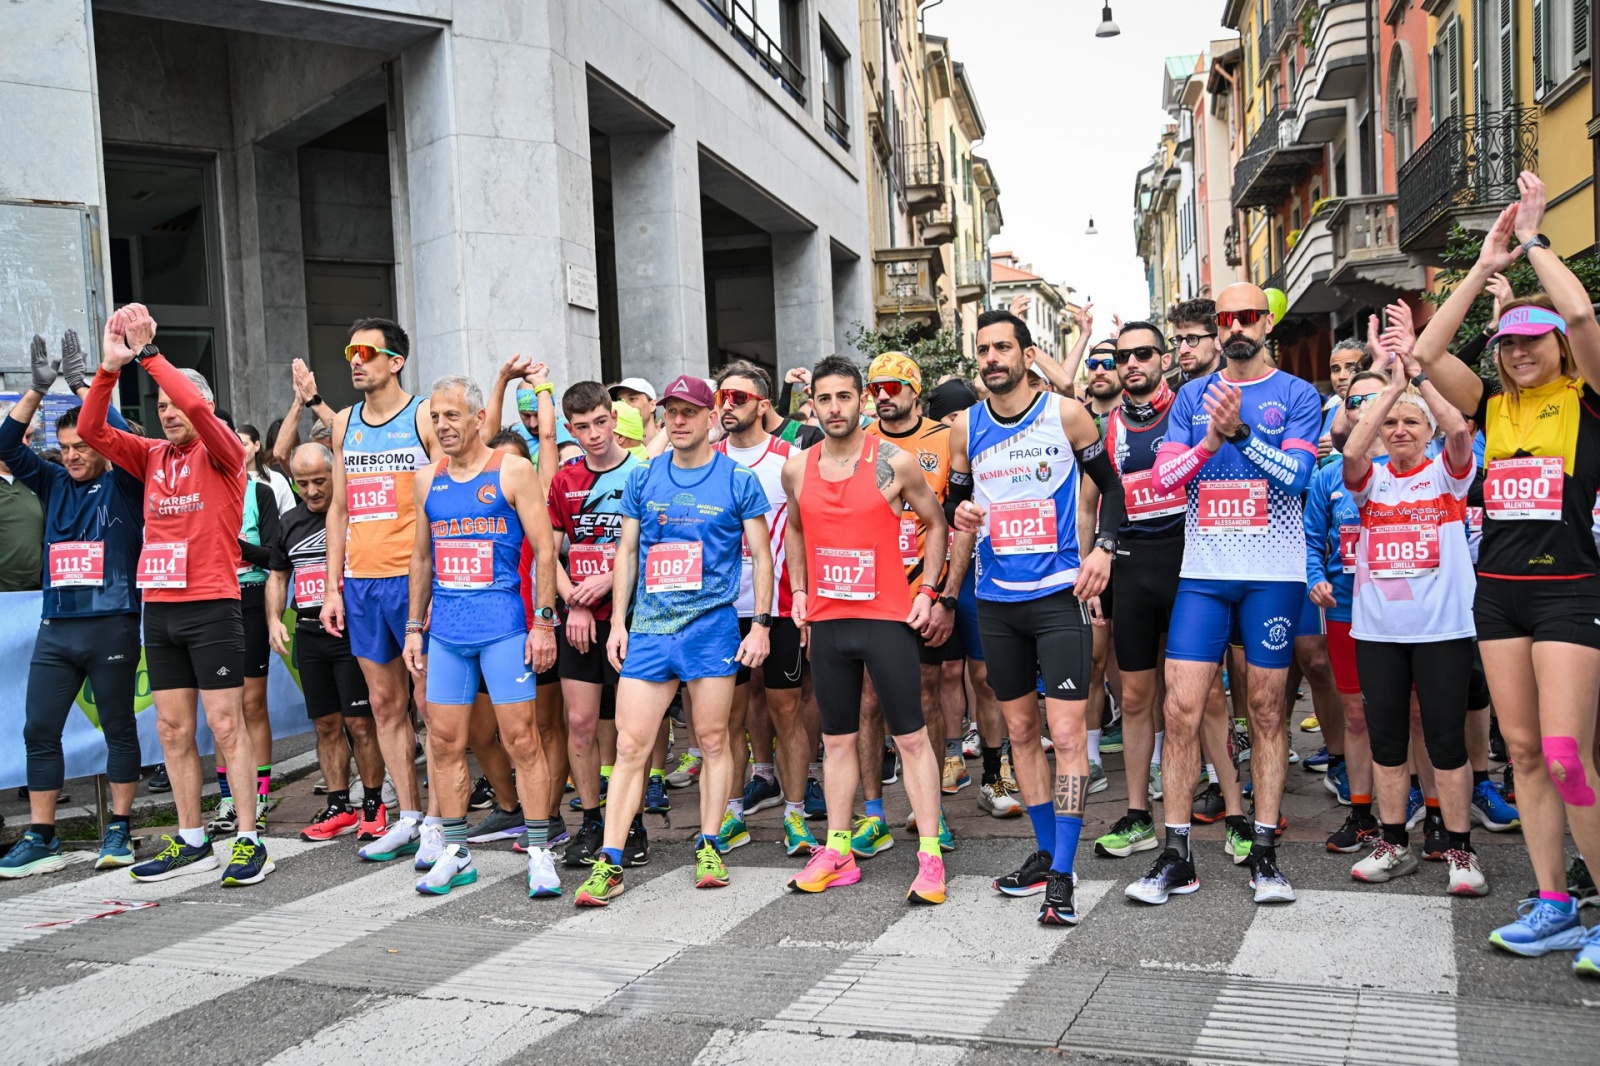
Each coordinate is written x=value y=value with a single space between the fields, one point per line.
x=1435 y=841
x=1170 y=875
x=1265 y=877
x=1209 y=804
x=1580 y=883
x=1057 y=907
x=159 y=781
x=891 y=765
x=586 y=845
x=1356 y=833
x=636 y=852
x=1029 y=879
x=482 y=795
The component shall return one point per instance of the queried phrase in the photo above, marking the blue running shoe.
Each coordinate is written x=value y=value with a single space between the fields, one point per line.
x=176 y=860
x=1317 y=763
x=947 y=839
x=816 y=805
x=1490 y=809
x=248 y=865
x=31 y=855
x=1415 y=808
x=1338 y=782
x=761 y=793
x=576 y=804
x=117 y=847
x=655 y=795
x=1588 y=961
x=1540 y=928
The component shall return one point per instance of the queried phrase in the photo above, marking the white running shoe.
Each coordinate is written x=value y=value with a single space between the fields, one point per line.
x=1155 y=788
x=401 y=839
x=431 y=846
x=1466 y=875
x=543 y=881
x=999 y=800
x=452 y=869
x=1386 y=862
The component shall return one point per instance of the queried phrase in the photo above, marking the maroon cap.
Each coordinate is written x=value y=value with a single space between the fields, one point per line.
x=691 y=389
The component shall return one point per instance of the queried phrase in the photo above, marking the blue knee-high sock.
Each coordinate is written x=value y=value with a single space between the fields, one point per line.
x=1069 y=827
x=875 y=808
x=1044 y=830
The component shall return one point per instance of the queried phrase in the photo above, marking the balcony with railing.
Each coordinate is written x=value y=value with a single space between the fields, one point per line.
x=972 y=279
x=834 y=122
x=1272 y=164
x=1230 y=247
x=1270 y=34
x=922 y=164
x=737 y=18
x=905 y=283
x=1464 y=175
x=939 y=225
x=1368 y=265
x=1306 y=269
x=1338 y=56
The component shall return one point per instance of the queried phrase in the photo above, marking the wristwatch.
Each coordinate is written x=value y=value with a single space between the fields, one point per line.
x=764 y=620
x=1416 y=382
x=545 y=616
x=1240 y=435
x=146 y=352
x=1538 y=240
x=1108 y=543
x=315 y=401
x=947 y=602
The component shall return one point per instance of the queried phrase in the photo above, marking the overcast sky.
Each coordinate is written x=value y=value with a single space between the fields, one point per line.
x=1071 y=119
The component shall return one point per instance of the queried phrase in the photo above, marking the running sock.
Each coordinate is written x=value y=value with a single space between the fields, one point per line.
x=1396 y=835
x=875 y=808
x=1155 y=757
x=657 y=771
x=1094 y=745
x=455 y=830
x=251 y=835
x=1480 y=777
x=538 y=833
x=45 y=832
x=222 y=782
x=1264 y=836
x=839 y=841
x=1069 y=827
x=1460 y=841
x=371 y=800
x=263 y=780
x=1138 y=815
x=1178 y=839
x=1561 y=901
x=793 y=808
x=929 y=846
x=605 y=772
x=952 y=748
x=1043 y=817
x=766 y=771
x=706 y=841
x=1211 y=775
x=591 y=816
x=991 y=765
x=1335 y=760
x=339 y=799
x=194 y=838
x=415 y=816
x=1362 y=805
x=612 y=855
x=124 y=819
x=736 y=808
x=432 y=819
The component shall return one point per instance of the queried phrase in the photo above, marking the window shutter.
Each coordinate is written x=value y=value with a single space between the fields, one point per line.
x=1435 y=75
x=1580 y=32
x=1508 y=54
x=1481 y=87
x=1541 y=60
x=1453 y=61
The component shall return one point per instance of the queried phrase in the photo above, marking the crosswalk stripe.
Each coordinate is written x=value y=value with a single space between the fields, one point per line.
x=978 y=924
x=778 y=1047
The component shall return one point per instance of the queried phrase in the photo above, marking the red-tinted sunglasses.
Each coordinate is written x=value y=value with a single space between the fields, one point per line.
x=1248 y=317
x=734 y=397
x=888 y=388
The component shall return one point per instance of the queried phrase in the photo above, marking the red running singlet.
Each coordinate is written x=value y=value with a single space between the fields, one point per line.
x=852 y=544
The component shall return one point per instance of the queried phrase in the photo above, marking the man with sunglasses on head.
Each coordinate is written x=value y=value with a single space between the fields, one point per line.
x=1194 y=337
x=1241 y=443
x=379 y=445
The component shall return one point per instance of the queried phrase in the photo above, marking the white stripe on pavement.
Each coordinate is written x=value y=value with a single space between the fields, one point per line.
x=978 y=924
x=777 y=1047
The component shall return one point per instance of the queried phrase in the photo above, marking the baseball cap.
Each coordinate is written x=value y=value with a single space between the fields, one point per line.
x=947 y=399
x=1528 y=321
x=896 y=366
x=689 y=388
x=629 y=422
x=633 y=385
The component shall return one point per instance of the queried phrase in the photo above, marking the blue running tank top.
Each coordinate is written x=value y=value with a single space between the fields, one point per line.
x=477 y=545
x=1025 y=477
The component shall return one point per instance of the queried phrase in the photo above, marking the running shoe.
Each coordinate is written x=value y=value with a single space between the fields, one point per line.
x=891 y=766
x=248 y=863
x=1241 y=740
x=603 y=885
x=576 y=804
x=320 y=788
x=586 y=845
x=686 y=773
x=1237 y=839
x=1170 y=875
x=498 y=825
x=225 y=821
x=797 y=838
x=159 y=781
x=431 y=845
x=760 y=793
x=636 y=848
x=1337 y=781
x=1248 y=790
x=1581 y=885
x=709 y=869
x=543 y=881
x=1310 y=724
x=1490 y=809
x=972 y=744
x=1111 y=738
x=388 y=797
x=870 y=837
x=1316 y=763
x=1048 y=744
x=401 y=838
x=1387 y=862
x=1416 y=807
x=733 y=833
x=947 y=839
x=1497 y=744
x=482 y=795
x=816 y=804
x=1587 y=963
x=999 y=799
x=1209 y=806
x=1155 y=789
x=1126 y=836
x=826 y=869
x=1466 y=874
x=1028 y=879
x=334 y=821
x=1007 y=776
x=1097 y=779
x=452 y=869
x=1541 y=927
x=555 y=834
x=177 y=859
x=1435 y=841
x=928 y=886
x=1508 y=784
x=955 y=777
x=1294 y=756
x=655 y=795
x=1057 y=907
x=116 y=847
x=1265 y=877
x=31 y=855
x=373 y=826
x=1356 y=833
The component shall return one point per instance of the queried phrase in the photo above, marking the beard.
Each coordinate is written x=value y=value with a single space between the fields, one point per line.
x=1151 y=383
x=844 y=429
x=1013 y=377
x=740 y=425
x=1104 y=390
x=1240 y=348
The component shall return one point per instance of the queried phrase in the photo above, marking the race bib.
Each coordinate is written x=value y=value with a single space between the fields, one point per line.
x=588 y=560
x=310 y=585
x=77 y=564
x=1403 y=551
x=1023 y=527
x=908 y=542
x=1349 y=537
x=1142 y=500
x=1233 y=506
x=673 y=566
x=371 y=498
x=164 y=566
x=1475 y=519
x=846 y=573
x=463 y=564
x=1523 y=489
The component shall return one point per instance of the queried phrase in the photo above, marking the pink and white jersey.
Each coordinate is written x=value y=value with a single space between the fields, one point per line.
x=766 y=460
x=1414 y=577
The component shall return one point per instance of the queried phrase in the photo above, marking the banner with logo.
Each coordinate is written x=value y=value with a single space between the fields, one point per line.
x=82 y=741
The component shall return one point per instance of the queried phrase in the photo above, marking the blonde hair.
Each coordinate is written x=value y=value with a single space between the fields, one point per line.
x=1569 y=365
x=1414 y=397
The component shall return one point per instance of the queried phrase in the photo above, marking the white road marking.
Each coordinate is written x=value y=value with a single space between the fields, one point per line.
x=779 y=1047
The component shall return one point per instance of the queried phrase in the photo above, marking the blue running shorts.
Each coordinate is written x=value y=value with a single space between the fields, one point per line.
x=967 y=619
x=454 y=671
x=1310 y=621
x=1268 y=614
x=704 y=648
x=375 y=616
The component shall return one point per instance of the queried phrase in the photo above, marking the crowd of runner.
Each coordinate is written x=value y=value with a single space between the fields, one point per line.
x=796 y=597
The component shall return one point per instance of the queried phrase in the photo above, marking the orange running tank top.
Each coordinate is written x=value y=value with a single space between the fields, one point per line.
x=380 y=467
x=852 y=544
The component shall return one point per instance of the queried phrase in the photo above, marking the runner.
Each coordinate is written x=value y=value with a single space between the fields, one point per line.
x=378 y=447
x=465 y=583
x=1538 y=568
x=194 y=484
x=90 y=624
x=1021 y=455
x=677 y=566
x=585 y=503
x=1242 y=442
x=330 y=678
x=1194 y=337
x=857 y=620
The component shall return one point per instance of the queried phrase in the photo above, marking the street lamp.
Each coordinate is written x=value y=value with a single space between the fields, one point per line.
x=1107 y=27
x=1091 y=231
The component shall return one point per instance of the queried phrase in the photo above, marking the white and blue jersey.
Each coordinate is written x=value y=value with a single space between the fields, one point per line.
x=477 y=549
x=1025 y=477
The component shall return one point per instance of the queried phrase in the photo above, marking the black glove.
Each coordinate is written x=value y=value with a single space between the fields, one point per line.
x=44 y=369
x=74 y=361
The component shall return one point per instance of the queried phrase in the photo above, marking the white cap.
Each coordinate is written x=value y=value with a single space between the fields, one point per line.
x=634 y=385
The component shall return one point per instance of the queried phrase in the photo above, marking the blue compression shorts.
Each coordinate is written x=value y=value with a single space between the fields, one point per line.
x=1268 y=615
x=454 y=671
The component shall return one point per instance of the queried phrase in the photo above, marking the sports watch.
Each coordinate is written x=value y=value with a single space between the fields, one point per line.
x=146 y=352
x=947 y=602
x=763 y=619
x=1240 y=435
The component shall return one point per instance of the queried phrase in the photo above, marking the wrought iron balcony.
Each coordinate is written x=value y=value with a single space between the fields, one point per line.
x=922 y=164
x=1272 y=164
x=737 y=18
x=1230 y=247
x=1368 y=265
x=1464 y=174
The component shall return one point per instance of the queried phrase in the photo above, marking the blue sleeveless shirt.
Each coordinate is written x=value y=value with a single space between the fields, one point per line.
x=477 y=545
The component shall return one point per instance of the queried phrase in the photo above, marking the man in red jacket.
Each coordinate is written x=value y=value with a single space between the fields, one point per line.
x=194 y=485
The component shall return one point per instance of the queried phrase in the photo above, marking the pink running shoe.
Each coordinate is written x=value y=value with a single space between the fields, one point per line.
x=929 y=885
x=828 y=868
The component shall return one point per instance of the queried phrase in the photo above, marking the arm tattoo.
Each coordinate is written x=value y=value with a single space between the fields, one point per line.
x=1072 y=792
x=885 y=471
